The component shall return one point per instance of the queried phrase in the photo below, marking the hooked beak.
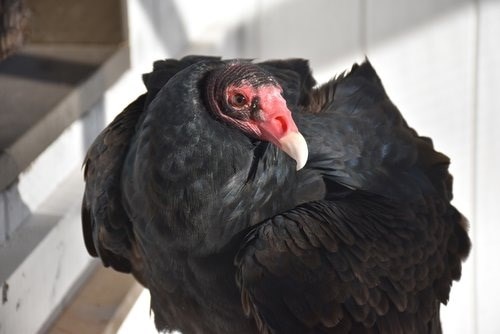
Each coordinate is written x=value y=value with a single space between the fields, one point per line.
x=295 y=146
x=279 y=128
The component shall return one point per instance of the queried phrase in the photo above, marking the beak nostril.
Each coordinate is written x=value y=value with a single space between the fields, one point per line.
x=281 y=123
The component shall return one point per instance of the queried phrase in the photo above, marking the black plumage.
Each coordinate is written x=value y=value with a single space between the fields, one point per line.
x=229 y=237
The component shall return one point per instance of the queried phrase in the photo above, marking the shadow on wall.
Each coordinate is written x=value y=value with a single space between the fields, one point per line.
x=47 y=69
x=92 y=124
x=164 y=22
x=13 y=211
x=324 y=31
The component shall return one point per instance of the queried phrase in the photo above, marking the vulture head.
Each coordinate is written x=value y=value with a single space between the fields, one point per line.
x=247 y=97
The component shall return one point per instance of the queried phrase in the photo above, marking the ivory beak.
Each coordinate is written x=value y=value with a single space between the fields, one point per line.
x=294 y=144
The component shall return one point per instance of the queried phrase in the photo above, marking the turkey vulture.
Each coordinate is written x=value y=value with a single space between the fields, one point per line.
x=249 y=200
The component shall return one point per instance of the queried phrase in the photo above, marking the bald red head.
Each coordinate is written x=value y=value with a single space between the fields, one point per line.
x=250 y=99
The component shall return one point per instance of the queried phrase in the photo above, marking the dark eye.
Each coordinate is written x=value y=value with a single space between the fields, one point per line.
x=237 y=100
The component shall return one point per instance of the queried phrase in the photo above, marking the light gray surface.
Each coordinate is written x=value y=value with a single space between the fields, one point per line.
x=49 y=169
x=42 y=262
x=323 y=31
x=43 y=90
x=16 y=211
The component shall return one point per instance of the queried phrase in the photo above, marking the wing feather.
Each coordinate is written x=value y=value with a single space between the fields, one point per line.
x=293 y=280
x=107 y=229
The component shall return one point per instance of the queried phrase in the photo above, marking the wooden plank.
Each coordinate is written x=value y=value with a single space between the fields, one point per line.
x=101 y=305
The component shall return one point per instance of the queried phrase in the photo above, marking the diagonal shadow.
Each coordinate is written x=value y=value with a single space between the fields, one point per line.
x=47 y=69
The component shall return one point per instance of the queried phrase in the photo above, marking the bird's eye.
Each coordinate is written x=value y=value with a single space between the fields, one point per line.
x=237 y=100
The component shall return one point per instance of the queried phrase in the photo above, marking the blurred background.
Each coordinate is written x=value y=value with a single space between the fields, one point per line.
x=70 y=66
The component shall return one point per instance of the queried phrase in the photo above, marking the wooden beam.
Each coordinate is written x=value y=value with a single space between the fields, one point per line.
x=101 y=305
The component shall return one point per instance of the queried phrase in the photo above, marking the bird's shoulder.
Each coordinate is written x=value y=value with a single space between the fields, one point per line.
x=358 y=138
x=164 y=70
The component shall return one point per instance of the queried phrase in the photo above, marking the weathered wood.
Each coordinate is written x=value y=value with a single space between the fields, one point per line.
x=101 y=305
x=13 y=23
